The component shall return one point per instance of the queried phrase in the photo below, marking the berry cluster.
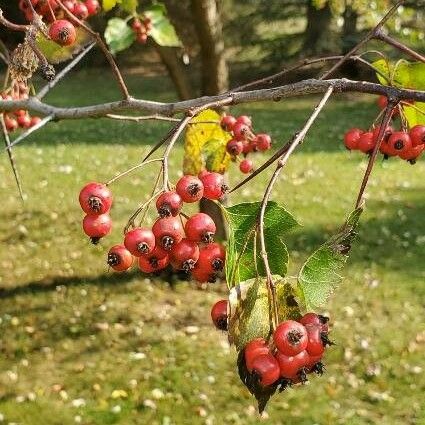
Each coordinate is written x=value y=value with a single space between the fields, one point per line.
x=244 y=140
x=20 y=118
x=296 y=350
x=142 y=29
x=407 y=145
x=61 y=30
x=188 y=247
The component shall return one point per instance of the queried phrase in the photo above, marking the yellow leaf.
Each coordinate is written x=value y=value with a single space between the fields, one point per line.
x=197 y=135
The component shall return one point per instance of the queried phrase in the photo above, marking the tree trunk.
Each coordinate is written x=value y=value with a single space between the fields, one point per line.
x=215 y=75
x=349 y=38
x=176 y=70
x=316 y=35
x=207 y=21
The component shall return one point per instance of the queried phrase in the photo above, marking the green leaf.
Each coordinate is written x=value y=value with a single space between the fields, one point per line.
x=163 y=31
x=129 y=6
x=241 y=261
x=55 y=53
x=118 y=35
x=249 y=309
x=215 y=156
x=410 y=75
x=107 y=5
x=319 y=276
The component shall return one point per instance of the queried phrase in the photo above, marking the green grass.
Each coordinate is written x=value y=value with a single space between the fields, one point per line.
x=69 y=329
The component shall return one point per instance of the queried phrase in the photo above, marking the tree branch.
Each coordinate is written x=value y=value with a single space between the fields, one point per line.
x=301 y=88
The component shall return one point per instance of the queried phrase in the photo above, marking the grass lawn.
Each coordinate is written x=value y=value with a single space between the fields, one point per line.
x=81 y=345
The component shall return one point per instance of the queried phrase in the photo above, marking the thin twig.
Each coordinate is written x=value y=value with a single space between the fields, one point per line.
x=380 y=35
x=31 y=130
x=384 y=124
x=371 y=34
x=130 y=170
x=11 y=158
x=299 y=137
x=143 y=118
x=102 y=46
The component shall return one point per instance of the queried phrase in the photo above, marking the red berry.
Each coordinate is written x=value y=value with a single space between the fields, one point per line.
x=203 y=173
x=263 y=142
x=168 y=231
x=10 y=123
x=203 y=276
x=92 y=6
x=169 y=204
x=142 y=38
x=387 y=134
x=382 y=101
x=399 y=142
x=184 y=255
x=190 y=188
x=315 y=345
x=413 y=153
x=136 y=25
x=417 y=135
x=95 y=198
x=290 y=338
x=97 y=226
x=24 y=121
x=290 y=366
x=219 y=314
x=69 y=4
x=266 y=368
x=312 y=362
x=63 y=32
x=140 y=241
x=81 y=11
x=234 y=147
x=157 y=260
x=214 y=186
x=351 y=138
x=246 y=166
x=200 y=227
x=211 y=259
x=119 y=258
x=227 y=122
x=35 y=121
x=243 y=119
x=366 y=142
x=315 y=319
x=241 y=131
x=253 y=349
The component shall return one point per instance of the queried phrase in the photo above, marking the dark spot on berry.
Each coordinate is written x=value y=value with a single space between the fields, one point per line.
x=167 y=242
x=113 y=259
x=319 y=368
x=294 y=337
x=283 y=383
x=153 y=261
x=188 y=265
x=95 y=203
x=224 y=189
x=217 y=264
x=142 y=247
x=222 y=323
x=323 y=319
x=94 y=240
x=212 y=278
x=399 y=145
x=164 y=210
x=208 y=237
x=303 y=375
x=325 y=339
x=193 y=189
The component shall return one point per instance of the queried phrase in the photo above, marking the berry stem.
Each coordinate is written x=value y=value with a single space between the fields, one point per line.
x=298 y=139
x=384 y=124
x=103 y=47
x=130 y=170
